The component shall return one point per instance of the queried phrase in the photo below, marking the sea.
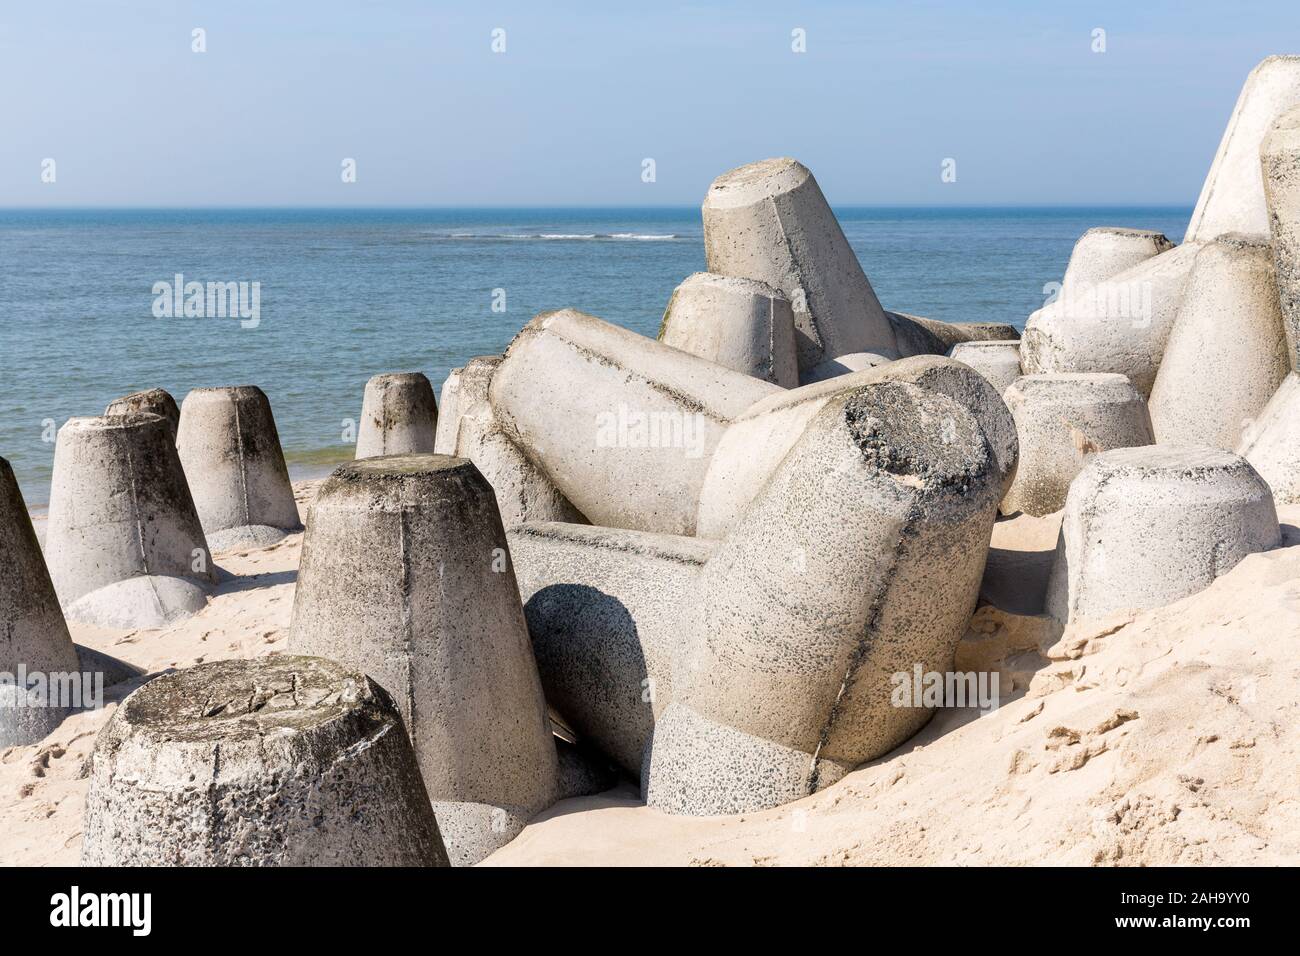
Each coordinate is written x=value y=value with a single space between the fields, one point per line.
x=331 y=297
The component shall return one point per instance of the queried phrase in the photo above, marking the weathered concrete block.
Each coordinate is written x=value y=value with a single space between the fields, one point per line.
x=1280 y=161
x=608 y=612
x=523 y=491
x=1061 y=420
x=472 y=380
x=155 y=401
x=282 y=761
x=758 y=440
x=844 y=365
x=769 y=221
x=583 y=771
x=860 y=559
x=999 y=362
x=1232 y=199
x=468 y=428
x=621 y=424
x=1119 y=325
x=917 y=335
x=33 y=635
x=230 y=448
x=1227 y=352
x=1272 y=443
x=123 y=543
x=1103 y=252
x=741 y=324
x=398 y=416
x=405 y=575
x=1144 y=527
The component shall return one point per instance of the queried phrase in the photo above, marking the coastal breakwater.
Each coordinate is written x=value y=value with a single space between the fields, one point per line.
x=706 y=557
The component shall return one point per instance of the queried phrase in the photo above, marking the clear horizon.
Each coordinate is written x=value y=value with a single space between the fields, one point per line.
x=145 y=104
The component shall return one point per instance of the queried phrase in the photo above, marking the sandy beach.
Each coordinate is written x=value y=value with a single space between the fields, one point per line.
x=1166 y=737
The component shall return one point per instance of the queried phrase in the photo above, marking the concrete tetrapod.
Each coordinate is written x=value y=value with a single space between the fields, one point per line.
x=1119 y=325
x=917 y=335
x=1272 y=443
x=281 y=761
x=741 y=324
x=123 y=544
x=155 y=401
x=1280 y=161
x=622 y=425
x=1232 y=198
x=398 y=416
x=754 y=445
x=999 y=362
x=613 y=613
x=769 y=221
x=1144 y=527
x=405 y=576
x=230 y=448
x=608 y=612
x=1061 y=420
x=523 y=491
x=1230 y=318
x=860 y=560
x=1103 y=252
x=34 y=640
x=471 y=381
x=843 y=365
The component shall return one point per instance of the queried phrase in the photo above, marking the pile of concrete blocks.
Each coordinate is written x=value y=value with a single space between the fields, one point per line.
x=703 y=558
x=1121 y=305
x=749 y=665
x=785 y=298
x=1133 y=304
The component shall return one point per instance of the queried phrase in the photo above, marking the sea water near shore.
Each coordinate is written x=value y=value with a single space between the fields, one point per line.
x=86 y=295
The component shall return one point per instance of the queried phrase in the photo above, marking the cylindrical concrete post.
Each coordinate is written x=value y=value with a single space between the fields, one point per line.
x=398 y=416
x=1061 y=419
x=1144 y=527
x=1280 y=161
x=280 y=761
x=769 y=221
x=463 y=388
x=155 y=401
x=1105 y=251
x=742 y=324
x=124 y=545
x=230 y=448
x=999 y=362
x=34 y=640
x=1227 y=353
x=405 y=575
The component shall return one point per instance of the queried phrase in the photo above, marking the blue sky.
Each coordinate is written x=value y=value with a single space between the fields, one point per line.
x=584 y=92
